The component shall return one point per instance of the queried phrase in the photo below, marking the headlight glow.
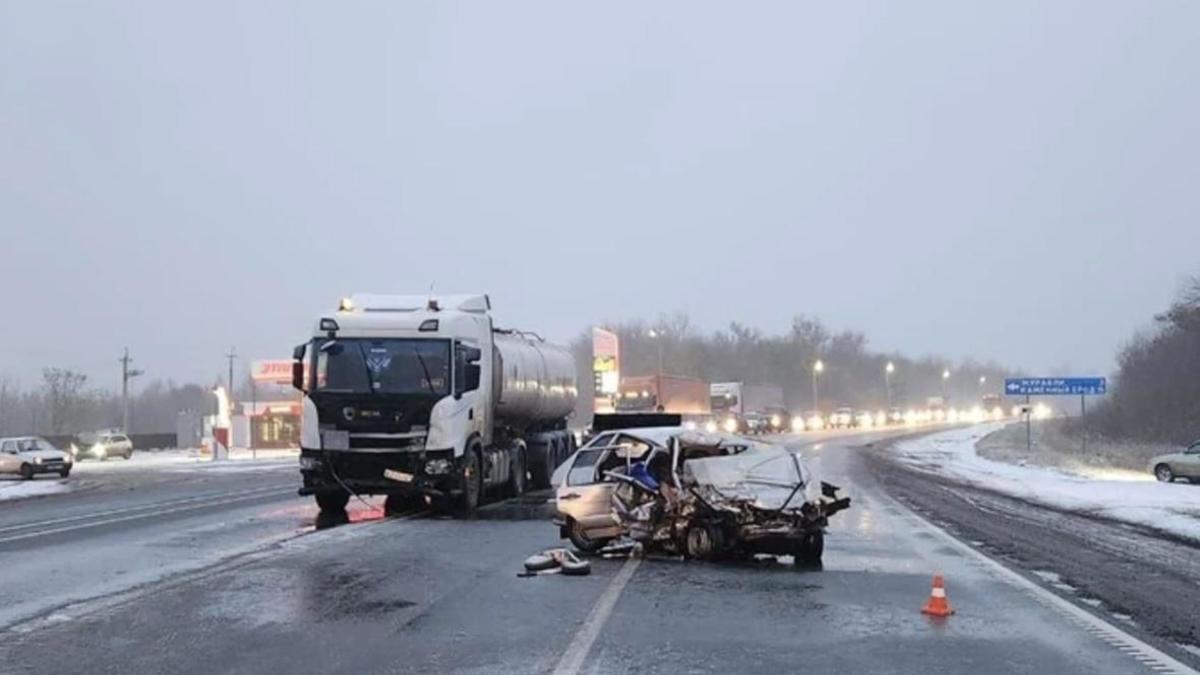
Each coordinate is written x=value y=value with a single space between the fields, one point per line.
x=730 y=425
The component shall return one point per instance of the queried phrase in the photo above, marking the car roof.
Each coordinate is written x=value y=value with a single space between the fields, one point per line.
x=662 y=435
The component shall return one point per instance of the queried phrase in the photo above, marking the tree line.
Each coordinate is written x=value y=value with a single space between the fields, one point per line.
x=853 y=374
x=64 y=402
x=1155 y=395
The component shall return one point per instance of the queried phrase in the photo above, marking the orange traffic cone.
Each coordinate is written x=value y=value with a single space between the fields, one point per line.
x=937 y=605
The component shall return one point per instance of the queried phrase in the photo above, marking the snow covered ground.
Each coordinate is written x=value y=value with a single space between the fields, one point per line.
x=1128 y=496
x=15 y=488
x=239 y=460
x=88 y=473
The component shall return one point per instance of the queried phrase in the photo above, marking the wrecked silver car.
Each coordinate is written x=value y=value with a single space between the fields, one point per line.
x=701 y=495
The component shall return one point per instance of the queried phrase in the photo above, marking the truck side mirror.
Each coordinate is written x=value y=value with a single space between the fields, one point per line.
x=298 y=367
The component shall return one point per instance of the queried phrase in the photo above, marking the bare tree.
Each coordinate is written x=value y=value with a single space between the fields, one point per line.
x=63 y=394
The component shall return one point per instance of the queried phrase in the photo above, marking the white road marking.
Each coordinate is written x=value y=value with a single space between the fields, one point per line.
x=571 y=662
x=1107 y=632
x=144 y=514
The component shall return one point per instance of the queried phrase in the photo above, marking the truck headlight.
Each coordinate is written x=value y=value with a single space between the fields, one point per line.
x=310 y=464
x=775 y=421
x=438 y=467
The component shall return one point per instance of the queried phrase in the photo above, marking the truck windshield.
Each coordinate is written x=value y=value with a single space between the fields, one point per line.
x=390 y=366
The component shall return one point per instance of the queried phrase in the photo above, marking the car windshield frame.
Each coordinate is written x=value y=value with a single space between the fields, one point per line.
x=406 y=366
x=35 y=445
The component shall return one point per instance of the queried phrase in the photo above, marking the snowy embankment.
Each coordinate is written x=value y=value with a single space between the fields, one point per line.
x=1121 y=495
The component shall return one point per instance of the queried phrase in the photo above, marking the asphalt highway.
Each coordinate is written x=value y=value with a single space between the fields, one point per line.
x=228 y=572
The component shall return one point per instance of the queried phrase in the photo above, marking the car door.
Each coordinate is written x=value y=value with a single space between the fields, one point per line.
x=1191 y=461
x=583 y=495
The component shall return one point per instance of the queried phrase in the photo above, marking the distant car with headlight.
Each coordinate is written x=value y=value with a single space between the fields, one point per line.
x=102 y=445
x=27 y=456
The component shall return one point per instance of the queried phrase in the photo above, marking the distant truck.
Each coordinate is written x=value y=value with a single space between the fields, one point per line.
x=756 y=408
x=420 y=397
x=686 y=396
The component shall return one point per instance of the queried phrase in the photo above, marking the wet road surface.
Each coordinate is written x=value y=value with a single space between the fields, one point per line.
x=432 y=594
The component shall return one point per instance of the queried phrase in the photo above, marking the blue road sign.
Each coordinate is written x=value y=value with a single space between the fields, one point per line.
x=1055 y=386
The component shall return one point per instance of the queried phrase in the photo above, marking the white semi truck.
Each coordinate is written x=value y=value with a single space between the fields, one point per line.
x=419 y=397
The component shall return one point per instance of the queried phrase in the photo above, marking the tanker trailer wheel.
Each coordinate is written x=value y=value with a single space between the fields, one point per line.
x=517 y=472
x=542 y=471
x=470 y=479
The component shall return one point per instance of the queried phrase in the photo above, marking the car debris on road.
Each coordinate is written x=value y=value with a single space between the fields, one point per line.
x=700 y=495
x=556 y=561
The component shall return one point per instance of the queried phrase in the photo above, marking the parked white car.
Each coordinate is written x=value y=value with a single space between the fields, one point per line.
x=1182 y=464
x=27 y=456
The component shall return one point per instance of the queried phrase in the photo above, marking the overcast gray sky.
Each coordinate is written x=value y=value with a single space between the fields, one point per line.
x=1016 y=180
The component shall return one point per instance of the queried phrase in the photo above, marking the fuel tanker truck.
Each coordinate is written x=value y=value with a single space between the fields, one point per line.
x=423 y=399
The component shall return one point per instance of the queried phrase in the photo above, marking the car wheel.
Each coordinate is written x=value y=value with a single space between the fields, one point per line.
x=581 y=541
x=1164 y=473
x=810 y=549
x=516 y=476
x=470 y=481
x=26 y=472
x=333 y=501
x=703 y=541
x=129 y=455
x=64 y=473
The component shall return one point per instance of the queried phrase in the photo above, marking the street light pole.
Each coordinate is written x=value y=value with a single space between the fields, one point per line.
x=818 y=368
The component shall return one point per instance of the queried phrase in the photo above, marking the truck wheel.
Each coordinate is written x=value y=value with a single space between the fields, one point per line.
x=26 y=472
x=470 y=478
x=516 y=476
x=333 y=501
x=809 y=549
x=399 y=505
x=1164 y=473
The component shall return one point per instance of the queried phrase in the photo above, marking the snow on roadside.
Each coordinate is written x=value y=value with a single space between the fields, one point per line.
x=1120 y=495
x=23 y=489
x=189 y=459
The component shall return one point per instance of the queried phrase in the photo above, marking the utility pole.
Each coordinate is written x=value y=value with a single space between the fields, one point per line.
x=231 y=356
x=127 y=374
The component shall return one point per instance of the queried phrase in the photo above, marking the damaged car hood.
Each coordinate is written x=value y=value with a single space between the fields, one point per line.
x=764 y=477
